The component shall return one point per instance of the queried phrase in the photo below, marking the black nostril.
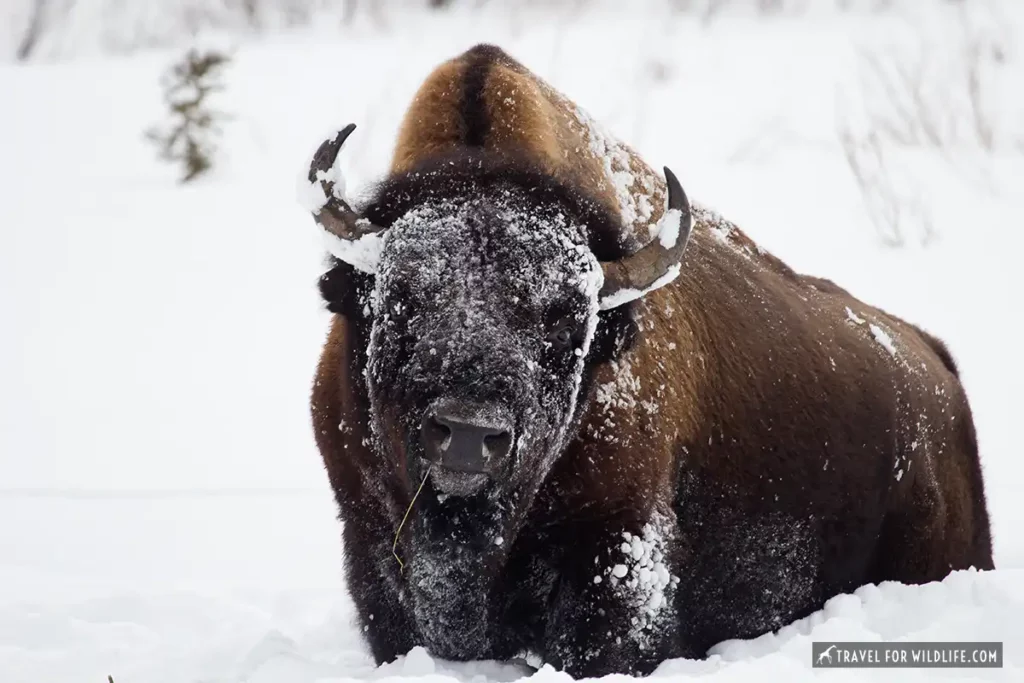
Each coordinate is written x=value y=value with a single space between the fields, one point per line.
x=436 y=433
x=498 y=444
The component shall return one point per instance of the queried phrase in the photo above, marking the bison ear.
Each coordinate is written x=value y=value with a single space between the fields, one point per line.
x=349 y=237
x=336 y=287
x=346 y=290
x=659 y=262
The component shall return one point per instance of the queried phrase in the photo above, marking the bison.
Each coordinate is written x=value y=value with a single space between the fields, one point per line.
x=566 y=413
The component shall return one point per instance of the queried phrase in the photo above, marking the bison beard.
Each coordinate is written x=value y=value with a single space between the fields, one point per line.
x=451 y=573
x=609 y=455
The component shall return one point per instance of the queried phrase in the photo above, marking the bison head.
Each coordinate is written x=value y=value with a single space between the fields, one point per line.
x=485 y=301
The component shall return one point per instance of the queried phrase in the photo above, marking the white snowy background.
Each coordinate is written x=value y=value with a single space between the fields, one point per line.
x=163 y=512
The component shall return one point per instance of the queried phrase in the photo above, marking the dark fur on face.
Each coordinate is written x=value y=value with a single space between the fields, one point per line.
x=346 y=290
x=476 y=168
x=477 y=295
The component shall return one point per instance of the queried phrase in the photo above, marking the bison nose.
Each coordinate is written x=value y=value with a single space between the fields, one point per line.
x=467 y=438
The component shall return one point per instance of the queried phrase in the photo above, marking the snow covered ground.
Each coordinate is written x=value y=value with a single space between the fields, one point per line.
x=163 y=513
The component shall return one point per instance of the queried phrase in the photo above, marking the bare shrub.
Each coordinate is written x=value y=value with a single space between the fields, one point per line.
x=931 y=97
x=34 y=31
x=915 y=116
x=901 y=116
x=892 y=209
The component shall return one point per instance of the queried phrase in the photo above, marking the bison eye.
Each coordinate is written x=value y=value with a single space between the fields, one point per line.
x=562 y=337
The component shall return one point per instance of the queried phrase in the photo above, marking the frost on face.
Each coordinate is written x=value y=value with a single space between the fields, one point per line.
x=488 y=264
x=470 y=293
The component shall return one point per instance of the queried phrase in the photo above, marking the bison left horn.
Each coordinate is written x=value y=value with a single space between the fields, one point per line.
x=335 y=215
x=656 y=264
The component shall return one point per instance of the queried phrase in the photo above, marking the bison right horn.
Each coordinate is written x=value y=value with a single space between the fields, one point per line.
x=355 y=239
x=656 y=264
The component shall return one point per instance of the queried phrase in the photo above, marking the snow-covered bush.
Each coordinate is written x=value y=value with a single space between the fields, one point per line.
x=190 y=136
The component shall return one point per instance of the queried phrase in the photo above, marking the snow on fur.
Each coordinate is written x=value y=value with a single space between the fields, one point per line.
x=883 y=338
x=640 y=573
x=627 y=294
x=540 y=282
x=632 y=192
x=364 y=252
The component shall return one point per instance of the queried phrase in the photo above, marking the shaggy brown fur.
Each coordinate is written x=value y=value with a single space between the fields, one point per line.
x=484 y=98
x=800 y=442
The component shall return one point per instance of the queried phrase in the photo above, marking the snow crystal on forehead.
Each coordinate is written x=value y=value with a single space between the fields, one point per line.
x=565 y=258
x=444 y=247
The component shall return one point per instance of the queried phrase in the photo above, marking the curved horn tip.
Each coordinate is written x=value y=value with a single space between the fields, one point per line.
x=328 y=151
x=344 y=133
x=677 y=198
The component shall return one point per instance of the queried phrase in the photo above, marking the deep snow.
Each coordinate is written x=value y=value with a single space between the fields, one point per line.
x=163 y=513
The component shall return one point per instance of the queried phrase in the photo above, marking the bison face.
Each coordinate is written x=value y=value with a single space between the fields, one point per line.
x=485 y=302
x=483 y=313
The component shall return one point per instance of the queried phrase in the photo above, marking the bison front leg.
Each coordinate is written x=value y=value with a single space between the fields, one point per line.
x=383 y=619
x=613 y=610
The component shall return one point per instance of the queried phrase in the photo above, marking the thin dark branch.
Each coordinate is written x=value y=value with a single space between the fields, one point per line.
x=34 y=30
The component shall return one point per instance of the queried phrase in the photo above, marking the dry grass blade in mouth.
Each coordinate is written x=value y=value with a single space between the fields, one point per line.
x=401 y=565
